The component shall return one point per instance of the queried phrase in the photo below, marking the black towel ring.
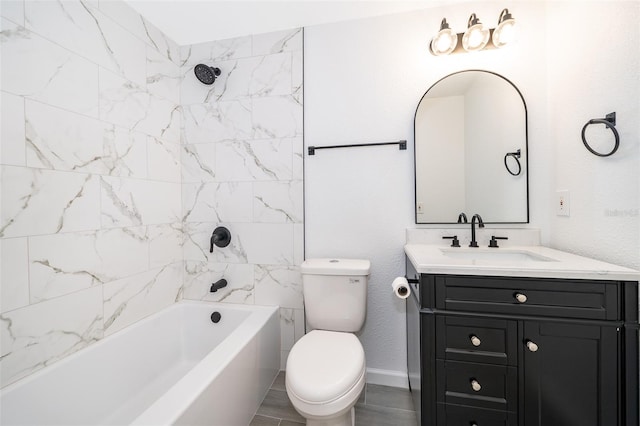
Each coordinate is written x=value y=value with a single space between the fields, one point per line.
x=515 y=156
x=610 y=122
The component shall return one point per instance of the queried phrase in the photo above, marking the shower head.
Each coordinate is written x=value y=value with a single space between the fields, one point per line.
x=206 y=74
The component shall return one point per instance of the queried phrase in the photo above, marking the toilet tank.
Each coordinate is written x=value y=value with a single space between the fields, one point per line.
x=335 y=293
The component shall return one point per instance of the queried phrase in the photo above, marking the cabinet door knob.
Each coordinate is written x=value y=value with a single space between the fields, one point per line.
x=473 y=424
x=475 y=385
x=521 y=298
x=475 y=340
x=532 y=346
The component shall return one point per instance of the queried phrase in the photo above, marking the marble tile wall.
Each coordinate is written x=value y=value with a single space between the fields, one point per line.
x=242 y=168
x=90 y=219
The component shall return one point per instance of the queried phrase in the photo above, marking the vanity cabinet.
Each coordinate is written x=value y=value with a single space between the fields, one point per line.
x=510 y=351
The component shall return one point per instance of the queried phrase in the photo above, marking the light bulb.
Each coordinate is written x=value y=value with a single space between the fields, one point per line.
x=476 y=36
x=445 y=41
x=505 y=31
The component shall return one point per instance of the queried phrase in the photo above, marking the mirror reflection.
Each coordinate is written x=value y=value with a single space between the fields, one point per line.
x=471 y=150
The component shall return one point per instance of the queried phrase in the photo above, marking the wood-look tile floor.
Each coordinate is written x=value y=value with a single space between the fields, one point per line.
x=377 y=406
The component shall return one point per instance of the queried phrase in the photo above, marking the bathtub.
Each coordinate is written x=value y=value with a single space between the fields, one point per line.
x=174 y=367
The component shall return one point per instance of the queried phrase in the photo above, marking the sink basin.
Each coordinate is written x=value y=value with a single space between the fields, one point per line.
x=495 y=255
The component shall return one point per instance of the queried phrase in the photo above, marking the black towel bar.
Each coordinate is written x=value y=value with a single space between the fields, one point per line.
x=401 y=144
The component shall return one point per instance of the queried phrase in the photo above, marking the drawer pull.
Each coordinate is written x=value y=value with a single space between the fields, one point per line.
x=475 y=385
x=475 y=340
x=532 y=346
x=521 y=298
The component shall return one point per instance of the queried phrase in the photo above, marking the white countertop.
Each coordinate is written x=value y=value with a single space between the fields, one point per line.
x=535 y=261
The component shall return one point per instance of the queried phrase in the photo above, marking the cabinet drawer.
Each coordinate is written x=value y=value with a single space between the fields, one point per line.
x=526 y=296
x=478 y=340
x=456 y=415
x=478 y=385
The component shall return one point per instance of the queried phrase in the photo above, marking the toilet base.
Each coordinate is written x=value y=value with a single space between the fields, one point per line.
x=346 y=419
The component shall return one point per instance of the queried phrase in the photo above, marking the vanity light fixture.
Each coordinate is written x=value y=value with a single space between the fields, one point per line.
x=475 y=38
x=445 y=41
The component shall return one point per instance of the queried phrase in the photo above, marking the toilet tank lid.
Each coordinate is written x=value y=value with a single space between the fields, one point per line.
x=335 y=267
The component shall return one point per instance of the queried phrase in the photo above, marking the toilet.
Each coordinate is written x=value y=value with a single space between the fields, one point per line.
x=325 y=372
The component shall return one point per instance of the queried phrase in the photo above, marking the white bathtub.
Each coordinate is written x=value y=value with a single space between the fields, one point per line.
x=174 y=367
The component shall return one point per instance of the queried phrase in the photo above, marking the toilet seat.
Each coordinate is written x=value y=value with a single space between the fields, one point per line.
x=324 y=367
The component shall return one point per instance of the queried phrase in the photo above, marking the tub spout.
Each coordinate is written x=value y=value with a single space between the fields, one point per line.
x=218 y=285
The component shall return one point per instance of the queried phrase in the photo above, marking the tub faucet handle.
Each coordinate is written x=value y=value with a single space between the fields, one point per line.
x=221 y=237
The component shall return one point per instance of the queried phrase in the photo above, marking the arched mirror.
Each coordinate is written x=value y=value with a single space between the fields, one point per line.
x=471 y=150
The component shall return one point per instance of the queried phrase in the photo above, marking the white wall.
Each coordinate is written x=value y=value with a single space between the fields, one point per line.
x=363 y=80
x=591 y=75
x=90 y=219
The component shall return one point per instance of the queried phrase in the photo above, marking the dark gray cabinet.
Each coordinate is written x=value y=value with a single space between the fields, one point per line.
x=522 y=351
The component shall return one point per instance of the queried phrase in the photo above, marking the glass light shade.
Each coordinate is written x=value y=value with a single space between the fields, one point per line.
x=444 y=42
x=505 y=31
x=475 y=38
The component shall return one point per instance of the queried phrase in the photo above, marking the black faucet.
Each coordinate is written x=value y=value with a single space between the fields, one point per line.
x=473 y=242
x=218 y=285
x=462 y=218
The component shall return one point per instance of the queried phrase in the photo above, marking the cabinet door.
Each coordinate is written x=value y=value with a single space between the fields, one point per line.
x=569 y=375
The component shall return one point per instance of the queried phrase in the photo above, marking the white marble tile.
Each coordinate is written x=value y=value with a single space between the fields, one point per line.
x=14 y=273
x=65 y=263
x=287 y=328
x=266 y=159
x=197 y=244
x=217 y=202
x=211 y=52
x=125 y=151
x=278 y=202
x=89 y=33
x=131 y=202
x=277 y=42
x=299 y=326
x=130 y=299
x=162 y=119
x=161 y=42
x=278 y=286
x=200 y=275
x=298 y=158
x=13 y=10
x=62 y=140
x=272 y=76
x=126 y=104
x=266 y=243
x=222 y=121
x=125 y=16
x=276 y=117
x=163 y=160
x=198 y=162
x=61 y=78
x=298 y=243
x=165 y=244
x=12 y=134
x=121 y=101
x=163 y=76
x=38 y=335
x=45 y=202
x=297 y=70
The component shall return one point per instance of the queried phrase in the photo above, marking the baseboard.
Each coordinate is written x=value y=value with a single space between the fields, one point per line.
x=396 y=379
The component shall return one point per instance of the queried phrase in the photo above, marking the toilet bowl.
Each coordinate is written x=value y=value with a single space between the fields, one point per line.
x=325 y=377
